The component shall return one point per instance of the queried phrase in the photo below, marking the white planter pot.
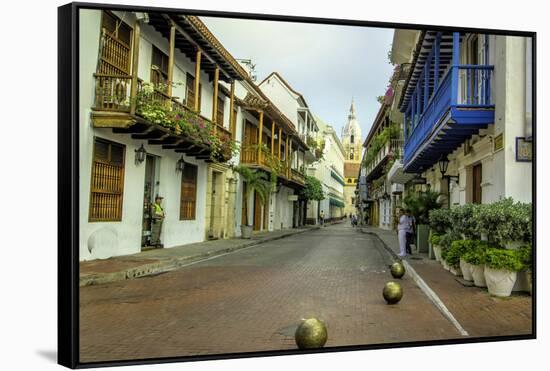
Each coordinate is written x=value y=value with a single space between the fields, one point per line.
x=466 y=269
x=437 y=252
x=499 y=281
x=514 y=245
x=456 y=271
x=478 y=274
x=445 y=265
x=246 y=231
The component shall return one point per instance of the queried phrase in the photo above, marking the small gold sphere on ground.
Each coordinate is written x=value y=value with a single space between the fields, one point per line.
x=312 y=333
x=397 y=270
x=392 y=292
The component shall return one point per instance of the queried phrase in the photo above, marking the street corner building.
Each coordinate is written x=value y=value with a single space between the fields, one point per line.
x=166 y=110
x=456 y=119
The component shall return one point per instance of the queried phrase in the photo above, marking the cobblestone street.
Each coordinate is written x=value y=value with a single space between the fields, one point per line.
x=253 y=299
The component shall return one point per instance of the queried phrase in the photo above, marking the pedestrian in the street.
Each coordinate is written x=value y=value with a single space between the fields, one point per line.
x=322 y=217
x=411 y=230
x=157 y=216
x=402 y=227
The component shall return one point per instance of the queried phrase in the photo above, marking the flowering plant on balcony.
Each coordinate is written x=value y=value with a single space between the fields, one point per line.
x=159 y=109
x=316 y=147
x=390 y=132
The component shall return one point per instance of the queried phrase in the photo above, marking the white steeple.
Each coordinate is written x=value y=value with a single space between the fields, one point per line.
x=352 y=126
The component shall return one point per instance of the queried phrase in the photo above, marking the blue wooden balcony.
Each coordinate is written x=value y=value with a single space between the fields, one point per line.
x=445 y=103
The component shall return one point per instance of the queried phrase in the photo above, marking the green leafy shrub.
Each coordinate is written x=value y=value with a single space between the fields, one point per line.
x=476 y=253
x=435 y=238
x=463 y=221
x=440 y=220
x=447 y=239
x=457 y=250
x=505 y=259
x=525 y=253
x=505 y=221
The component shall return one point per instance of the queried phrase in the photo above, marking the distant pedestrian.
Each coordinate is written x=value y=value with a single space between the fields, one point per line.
x=157 y=218
x=411 y=230
x=353 y=220
x=402 y=227
x=322 y=217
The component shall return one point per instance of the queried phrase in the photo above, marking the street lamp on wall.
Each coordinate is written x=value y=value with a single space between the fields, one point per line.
x=443 y=166
x=140 y=154
x=180 y=165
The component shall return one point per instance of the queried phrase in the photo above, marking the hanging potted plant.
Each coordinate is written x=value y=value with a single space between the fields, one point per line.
x=256 y=181
x=501 y=267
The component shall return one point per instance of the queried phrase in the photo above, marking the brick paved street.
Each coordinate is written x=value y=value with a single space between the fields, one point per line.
x=252 y=300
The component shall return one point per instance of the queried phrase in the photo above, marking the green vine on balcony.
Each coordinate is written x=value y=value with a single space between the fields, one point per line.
x=316 y=147
x=390 y=132
x=185 y=122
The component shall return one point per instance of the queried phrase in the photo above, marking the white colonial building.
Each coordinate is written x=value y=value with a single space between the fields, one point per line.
x=467 y=111
x=161 y=112
x=330 y=172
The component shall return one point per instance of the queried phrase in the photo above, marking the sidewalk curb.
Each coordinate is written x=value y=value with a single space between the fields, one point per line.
x=169 y=264
x=432 y=296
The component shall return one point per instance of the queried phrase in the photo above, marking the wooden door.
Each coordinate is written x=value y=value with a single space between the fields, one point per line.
x=476 y=184
x=257 y=212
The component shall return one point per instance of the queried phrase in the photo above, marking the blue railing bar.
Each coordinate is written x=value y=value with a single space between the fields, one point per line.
x=464 y=105
x=476 y=92
x=475 y=66
x=454 y=76
x=436 y=64
x=426 y=86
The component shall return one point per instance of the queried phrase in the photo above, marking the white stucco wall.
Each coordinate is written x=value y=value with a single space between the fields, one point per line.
x=502 y=175
x=106 y=239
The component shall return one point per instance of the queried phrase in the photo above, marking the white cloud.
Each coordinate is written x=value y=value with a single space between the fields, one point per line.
x=327 y=64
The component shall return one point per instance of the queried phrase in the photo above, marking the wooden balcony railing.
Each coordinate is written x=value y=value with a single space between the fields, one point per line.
x=297 y=176
x=113 y=93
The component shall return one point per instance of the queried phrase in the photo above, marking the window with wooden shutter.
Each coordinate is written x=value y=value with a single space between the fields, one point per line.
x=159 y=68
x=190 y=92
x=107 y=184
x=115 y=47
x=188 y=192
x=219 y=113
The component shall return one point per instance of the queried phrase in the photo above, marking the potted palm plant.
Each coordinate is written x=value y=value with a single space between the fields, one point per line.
x=420 y=206
x=256 y=181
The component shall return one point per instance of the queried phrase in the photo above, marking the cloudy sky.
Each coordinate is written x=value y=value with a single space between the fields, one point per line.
x=327 y=64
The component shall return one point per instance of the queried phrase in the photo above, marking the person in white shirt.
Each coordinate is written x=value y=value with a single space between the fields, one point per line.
x=402 y=228
x=411 y=231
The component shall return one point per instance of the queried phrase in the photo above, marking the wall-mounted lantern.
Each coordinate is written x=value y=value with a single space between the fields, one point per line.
x=180 y=165
x=443 y=166
x=140 y=154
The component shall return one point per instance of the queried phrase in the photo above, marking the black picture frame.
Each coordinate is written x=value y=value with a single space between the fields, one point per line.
x=68 y=186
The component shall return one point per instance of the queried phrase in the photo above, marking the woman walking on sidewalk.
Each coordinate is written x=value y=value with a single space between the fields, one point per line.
x=402 y=228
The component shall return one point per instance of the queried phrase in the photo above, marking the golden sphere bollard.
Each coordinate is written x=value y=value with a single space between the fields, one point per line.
x=397 y=270
x=312 y=333
x=392 y=292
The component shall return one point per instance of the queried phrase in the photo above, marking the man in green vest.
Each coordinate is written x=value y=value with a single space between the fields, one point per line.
x=157 y=217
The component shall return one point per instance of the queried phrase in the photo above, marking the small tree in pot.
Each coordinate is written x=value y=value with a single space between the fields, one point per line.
x=501 y=267
x=420 y=206
x=256 y=181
